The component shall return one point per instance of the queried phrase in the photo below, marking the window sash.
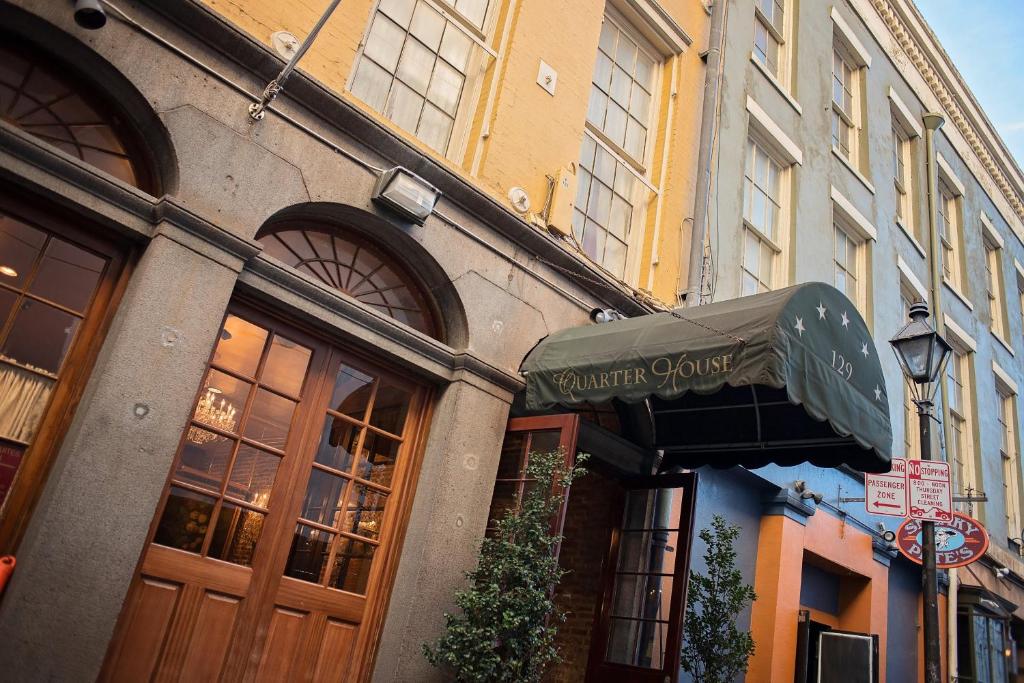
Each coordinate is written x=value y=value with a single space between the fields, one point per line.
x=415 y=66
x=846 y=256
x=762 y=202
x=622 y=105
x=759 y=263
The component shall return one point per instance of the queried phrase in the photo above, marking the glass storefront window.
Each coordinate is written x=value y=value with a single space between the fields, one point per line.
x=984 y=646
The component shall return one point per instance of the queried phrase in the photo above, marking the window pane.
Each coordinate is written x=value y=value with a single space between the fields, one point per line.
x=427 y=25
x=308 y=554
x=377 y=463
x=404 y=107
x=364 y=515
x=371 y=84
x=204 y=459
x=455 y=48
x=286 y=365
x=252 y=476
x=337 y=444
x=222 y=402
x=67 y=275
x=390 y=407
x=240 y=346
x=474 y=10
x=270 y=419
x=399 y=10
x=384 y=43
x=185 y=520
x=648 y=551
x=445 y=88
x=352 y=566
x=235 y=534
x=41 y=336
x=20 y=245
x=415 y=66
x=323 y=498
x=435 y=128
x=637 y=643
x=351 y=392
x=642 y=596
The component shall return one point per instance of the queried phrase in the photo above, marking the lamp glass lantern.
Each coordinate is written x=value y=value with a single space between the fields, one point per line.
x=921 y=351
x=403 y=192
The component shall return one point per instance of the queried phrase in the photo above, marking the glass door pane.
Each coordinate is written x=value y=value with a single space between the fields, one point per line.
x=644 y=575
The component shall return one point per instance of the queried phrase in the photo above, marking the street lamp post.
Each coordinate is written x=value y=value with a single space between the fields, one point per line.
x=922 y=353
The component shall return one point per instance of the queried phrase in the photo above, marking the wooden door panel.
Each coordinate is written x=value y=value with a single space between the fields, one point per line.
x=335 y=659
x=284 y=643
x=211 y=635
x=146 y=625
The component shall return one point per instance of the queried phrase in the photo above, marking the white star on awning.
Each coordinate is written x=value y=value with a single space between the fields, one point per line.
x=799 y=327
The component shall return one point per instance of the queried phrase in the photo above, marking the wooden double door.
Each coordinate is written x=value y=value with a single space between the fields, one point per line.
x=273 y=547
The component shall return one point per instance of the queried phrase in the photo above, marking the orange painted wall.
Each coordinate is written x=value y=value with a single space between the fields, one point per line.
x=782 y=547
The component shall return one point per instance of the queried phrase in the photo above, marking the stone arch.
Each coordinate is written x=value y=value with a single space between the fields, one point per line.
x=393 y=247
x=94 y=85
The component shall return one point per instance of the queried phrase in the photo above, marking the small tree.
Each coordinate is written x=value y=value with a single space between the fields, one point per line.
x=714 y=650
x=506 y=631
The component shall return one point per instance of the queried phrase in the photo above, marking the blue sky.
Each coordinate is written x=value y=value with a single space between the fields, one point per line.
x=985 y=39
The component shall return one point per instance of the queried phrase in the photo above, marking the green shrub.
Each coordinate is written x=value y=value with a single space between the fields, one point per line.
x=714 y=650
x=508 y=621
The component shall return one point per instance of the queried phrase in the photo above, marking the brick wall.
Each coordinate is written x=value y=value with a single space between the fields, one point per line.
x=593 y=508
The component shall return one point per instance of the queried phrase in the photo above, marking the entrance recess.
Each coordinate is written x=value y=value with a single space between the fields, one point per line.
x=634 y=585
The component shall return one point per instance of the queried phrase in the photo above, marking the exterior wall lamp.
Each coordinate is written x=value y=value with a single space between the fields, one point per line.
x=403 y=192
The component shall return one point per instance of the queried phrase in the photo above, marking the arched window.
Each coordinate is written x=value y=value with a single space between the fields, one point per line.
x=352 y=265
x=46 y=99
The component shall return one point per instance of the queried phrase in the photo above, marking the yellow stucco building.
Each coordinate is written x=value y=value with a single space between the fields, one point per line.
x=591 y=109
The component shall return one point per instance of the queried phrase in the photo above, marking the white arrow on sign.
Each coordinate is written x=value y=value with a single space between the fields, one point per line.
x=886 y=494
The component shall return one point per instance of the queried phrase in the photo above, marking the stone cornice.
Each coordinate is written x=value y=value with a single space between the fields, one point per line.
x=920 y=45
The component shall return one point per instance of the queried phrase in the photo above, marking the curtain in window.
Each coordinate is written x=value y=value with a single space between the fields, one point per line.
x=23 y=396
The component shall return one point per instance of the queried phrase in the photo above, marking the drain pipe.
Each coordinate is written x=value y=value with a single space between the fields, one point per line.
x=932 y=122
x=690 y=296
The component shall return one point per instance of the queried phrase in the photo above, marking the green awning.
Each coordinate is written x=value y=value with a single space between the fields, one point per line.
x=784 y=377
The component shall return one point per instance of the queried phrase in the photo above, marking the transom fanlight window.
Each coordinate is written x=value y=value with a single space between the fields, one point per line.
x=39 y=97
x=356 y=268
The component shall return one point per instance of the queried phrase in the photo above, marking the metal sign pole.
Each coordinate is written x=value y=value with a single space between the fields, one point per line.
x=932 y=655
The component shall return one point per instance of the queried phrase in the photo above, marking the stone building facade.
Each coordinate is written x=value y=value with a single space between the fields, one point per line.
x=260 y=429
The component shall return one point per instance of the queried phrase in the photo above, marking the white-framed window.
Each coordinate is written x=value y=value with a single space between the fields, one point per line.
x=762 y=218
x=848 y=267
x=902 y=168
x=769 y=35
x=613 y=177
x=961 y=443
x=1006 y=416
x=844 y=113
x=949 y=235
x=994 y=287
x=416 y=62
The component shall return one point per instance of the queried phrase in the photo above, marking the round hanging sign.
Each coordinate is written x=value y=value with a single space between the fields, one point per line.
x=957 y=542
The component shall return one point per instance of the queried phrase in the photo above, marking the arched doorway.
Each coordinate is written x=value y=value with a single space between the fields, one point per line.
x=60 y=275
x=276 y=540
